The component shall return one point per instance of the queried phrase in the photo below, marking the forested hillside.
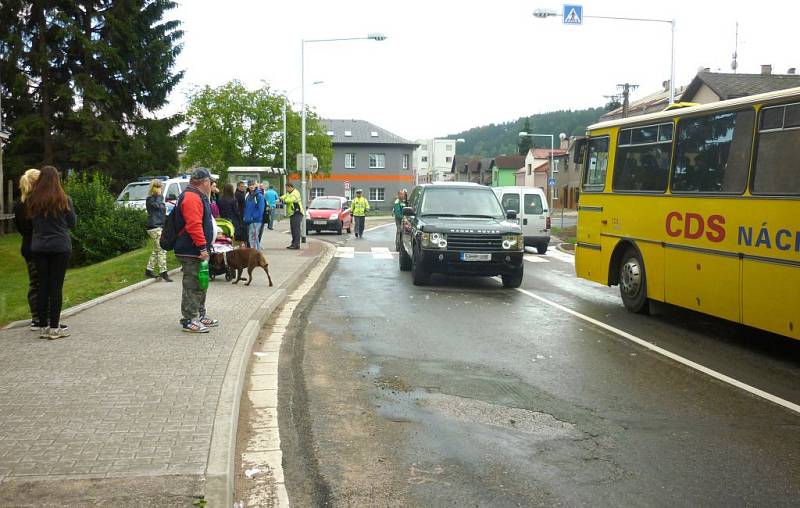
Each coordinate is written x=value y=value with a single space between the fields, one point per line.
x=495 y=139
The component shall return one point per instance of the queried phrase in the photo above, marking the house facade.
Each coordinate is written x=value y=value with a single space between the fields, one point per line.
x=433 y=159
x=504 y=169
x=366 y=157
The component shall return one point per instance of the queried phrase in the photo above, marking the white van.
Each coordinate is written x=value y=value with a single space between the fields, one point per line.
x=530 y=203
x=135 y=193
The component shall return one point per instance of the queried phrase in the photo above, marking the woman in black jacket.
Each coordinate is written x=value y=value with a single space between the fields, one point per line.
x=156 y=218
x=229 y=209
x=52 y=214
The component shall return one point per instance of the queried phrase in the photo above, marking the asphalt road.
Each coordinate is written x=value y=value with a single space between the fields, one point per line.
x=467 y=394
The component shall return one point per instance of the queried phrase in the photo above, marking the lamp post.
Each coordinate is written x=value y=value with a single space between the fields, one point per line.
x=550 y=172
x=545 y=13
x=303 y=42
x=285 y=102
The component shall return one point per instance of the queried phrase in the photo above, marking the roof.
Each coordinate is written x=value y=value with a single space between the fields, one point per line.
x=509 y=161
x=647 y=104
x=730 y=86
x=544 y=153
x=361 y=133
x=781 y=95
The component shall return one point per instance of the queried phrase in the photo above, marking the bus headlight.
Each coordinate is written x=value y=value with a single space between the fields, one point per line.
x=512 y=242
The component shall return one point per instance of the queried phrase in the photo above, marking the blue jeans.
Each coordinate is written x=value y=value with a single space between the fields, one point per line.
x=271 y=217
x=252 y=235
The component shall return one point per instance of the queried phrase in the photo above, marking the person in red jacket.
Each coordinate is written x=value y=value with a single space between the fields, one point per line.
x=196 y=226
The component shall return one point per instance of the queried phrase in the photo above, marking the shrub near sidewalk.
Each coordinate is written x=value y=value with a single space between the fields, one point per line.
x=81 y=284
x=104 y=229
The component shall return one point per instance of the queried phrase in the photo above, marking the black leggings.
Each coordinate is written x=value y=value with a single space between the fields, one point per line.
x=52 y=268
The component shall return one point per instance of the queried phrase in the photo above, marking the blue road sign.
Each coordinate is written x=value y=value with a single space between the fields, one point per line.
x=573 y=14
x=551 y=182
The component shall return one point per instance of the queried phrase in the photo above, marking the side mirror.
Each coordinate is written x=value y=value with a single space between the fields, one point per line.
x=580 y=148
x=408 y=211
x=511 y=214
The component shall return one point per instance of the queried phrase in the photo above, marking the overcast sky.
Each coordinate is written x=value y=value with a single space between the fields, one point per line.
x=449 y=65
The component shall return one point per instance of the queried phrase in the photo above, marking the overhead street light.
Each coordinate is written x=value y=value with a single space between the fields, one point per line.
x=547 y=13
x=303 y=198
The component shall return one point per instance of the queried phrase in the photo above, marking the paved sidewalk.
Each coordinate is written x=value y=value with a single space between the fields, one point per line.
x=130 y=410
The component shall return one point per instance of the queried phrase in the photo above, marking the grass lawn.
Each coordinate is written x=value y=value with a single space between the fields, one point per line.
x=81 y=284
x=568 y=235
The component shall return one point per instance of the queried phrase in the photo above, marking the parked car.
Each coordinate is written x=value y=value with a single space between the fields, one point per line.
x=530 y=203
x=460 y=229
x=328 y=213
x=135 y=193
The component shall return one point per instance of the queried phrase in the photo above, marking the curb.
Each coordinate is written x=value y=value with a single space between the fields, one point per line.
x=95 y=301
x=220 y=473
x=565 y=251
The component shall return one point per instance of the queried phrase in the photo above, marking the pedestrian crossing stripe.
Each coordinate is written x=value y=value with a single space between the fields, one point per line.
x=381 y=253
x=345 y=252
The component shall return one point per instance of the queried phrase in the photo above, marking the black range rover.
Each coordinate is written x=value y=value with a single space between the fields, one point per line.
x=459 y=228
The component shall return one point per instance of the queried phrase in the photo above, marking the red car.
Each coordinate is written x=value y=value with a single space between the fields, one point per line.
x=328 y=213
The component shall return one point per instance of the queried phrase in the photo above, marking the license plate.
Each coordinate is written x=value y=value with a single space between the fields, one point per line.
x=320 y=222
x=475 y=256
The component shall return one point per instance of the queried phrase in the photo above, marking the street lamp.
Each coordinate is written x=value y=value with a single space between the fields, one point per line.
x=552 y=147
x=285 y=101
x=303 y=197
x=547 y=13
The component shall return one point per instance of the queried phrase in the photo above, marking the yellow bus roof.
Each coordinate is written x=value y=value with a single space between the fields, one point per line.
x=713 y=106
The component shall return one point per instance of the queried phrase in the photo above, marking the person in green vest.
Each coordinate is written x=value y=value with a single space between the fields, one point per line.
x=359 y=208
x=294 y=209
x=397 y=210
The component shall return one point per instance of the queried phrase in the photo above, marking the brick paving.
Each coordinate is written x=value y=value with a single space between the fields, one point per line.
x=129 y=393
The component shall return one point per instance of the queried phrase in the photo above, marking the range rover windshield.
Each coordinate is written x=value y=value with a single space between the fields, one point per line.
x=477 y=202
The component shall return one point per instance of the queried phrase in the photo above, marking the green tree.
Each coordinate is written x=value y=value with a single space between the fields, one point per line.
x=233 y=126
x=525 y=142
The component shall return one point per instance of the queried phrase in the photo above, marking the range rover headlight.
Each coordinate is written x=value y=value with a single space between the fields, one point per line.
x=434 y=240
x=512 y=242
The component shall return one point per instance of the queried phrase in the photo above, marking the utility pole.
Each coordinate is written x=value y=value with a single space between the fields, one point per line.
x=626 y=89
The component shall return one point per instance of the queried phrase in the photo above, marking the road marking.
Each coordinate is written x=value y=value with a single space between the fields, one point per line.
x=672 y=356
x=344 y=252
x=534 y=259
x=381 y=226
x=381 y=253
x=561 y=256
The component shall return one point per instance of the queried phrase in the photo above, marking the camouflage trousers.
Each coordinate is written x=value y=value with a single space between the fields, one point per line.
x=193 y=299
x=158 y=255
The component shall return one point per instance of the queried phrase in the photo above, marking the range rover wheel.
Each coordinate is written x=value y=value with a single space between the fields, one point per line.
x=542 y=247
x=514 y=279
x=633 y=282
x=405 y=259
x=419 y=276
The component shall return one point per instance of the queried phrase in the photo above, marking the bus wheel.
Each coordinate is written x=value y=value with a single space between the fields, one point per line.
x=633 y=282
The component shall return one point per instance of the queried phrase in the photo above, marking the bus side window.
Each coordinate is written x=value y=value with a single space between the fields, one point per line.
x=778 y=152
x=594 y=176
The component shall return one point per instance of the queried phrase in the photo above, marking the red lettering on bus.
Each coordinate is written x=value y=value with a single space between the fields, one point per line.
x=694 y=218
x=717 y=232
x=670 y=231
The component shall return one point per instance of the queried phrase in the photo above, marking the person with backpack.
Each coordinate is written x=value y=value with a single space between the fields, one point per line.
x=254 y=205
x=193 y=228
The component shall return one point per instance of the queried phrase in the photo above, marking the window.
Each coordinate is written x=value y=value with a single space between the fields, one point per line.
x=376 y=193
x=377 y=160
x=448 y=159
x=642 y=160
x=374 y=134
x=405 y=161
x=713 y=153
x=510 y=202
x=330 y=133
x=448 y=147
x=348 y=133
x=424 y=158
x=530 y=169
x=594 y=178
x=317 y=192
x=349 y=160
x=777 y=166
x=533 y=204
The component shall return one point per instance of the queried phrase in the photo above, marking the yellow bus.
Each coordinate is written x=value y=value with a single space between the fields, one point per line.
x=698 y=207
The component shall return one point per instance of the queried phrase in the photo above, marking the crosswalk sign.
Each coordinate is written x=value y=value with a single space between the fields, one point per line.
x=573 y=14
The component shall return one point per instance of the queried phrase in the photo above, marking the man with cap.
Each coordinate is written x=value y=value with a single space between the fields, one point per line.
x=294 y=209
x=195 y=225
x=359 y=208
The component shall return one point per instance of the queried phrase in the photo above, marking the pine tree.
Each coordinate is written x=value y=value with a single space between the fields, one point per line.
x=525 y=143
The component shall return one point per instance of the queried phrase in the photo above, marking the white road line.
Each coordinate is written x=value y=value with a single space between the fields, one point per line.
x=381 y=253
x=344 y=252
x=672 y=356
x=561 y=256
x=381 y=226
x=534 y=259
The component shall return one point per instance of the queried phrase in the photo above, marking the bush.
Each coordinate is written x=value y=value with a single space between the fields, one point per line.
x=104 y=230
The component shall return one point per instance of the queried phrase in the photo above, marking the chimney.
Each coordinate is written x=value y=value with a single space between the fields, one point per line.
x=766 y=70
x=791 y=70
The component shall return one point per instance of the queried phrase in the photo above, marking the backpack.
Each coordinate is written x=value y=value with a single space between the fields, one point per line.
x=172 y=229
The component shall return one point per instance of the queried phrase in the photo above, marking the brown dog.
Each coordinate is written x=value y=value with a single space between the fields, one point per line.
x=239 y=259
